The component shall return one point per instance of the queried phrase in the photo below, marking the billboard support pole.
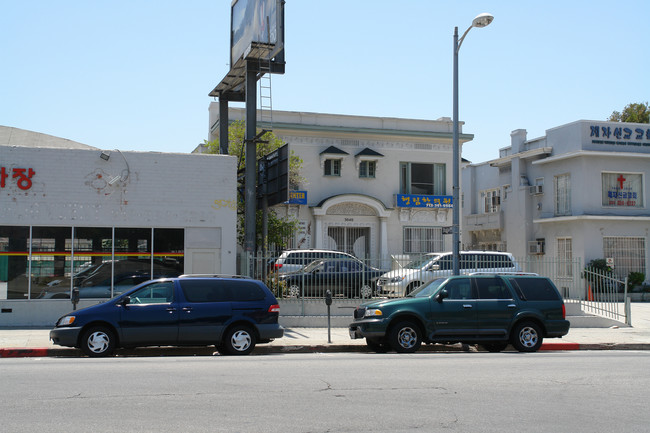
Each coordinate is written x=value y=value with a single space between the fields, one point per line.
x=223 y=126
x=250 y=197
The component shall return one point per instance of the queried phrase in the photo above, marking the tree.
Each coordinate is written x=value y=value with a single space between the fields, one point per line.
x=632 y=113
x=279 y=229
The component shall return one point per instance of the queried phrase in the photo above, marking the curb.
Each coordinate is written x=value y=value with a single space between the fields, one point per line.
x=278 y=349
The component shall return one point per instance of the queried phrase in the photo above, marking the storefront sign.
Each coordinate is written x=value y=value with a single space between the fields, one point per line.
x=23 y=176
x=620 y=135
x=426 y=201
x=297 y=197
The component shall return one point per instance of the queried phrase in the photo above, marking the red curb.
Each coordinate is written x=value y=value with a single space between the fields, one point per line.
x=23 y=353
x=560 y=346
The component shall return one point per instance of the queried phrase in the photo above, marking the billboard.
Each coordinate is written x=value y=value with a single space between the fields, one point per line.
x=253 y=21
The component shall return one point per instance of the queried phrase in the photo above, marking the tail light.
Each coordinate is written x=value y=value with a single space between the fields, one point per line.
x=278 y=265
x=275 y=308
x=563 y=311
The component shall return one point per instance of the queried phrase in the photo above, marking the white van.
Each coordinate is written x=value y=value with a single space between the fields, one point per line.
x=403 y=281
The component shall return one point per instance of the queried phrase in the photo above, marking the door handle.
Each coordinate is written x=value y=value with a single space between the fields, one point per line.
x=512 y=306
x=467 y=305
x=187 y=309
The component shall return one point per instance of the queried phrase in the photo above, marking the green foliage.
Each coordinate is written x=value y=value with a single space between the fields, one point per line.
x=632 y=113
x=599 y=265
x=635 y=278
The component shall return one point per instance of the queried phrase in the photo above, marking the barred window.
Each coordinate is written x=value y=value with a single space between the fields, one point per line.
x=628 y=254
x=565 y=257
x=563 y=195
x=419 y=240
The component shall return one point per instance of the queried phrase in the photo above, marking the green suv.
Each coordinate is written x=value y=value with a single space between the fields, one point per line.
x=490 y=310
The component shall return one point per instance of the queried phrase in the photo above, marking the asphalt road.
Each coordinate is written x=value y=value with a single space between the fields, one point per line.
x=339 y=392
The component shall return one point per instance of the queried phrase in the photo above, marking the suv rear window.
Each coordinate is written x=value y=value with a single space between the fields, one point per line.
x=535 y=289
x=221 y=290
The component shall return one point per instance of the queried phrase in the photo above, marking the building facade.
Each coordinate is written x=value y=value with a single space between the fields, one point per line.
x=72 y=215
x=372 y=186
x=579 y=191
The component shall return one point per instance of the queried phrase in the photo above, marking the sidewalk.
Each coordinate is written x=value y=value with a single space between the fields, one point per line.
x=35 y=342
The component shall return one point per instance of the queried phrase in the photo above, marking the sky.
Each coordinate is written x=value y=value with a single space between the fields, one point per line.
x=135 y=75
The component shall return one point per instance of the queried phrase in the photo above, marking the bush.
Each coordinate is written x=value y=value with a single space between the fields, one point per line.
x=635 y=279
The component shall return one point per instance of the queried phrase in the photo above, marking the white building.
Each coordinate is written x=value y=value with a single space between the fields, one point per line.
x=374 y=186
x=580 y=191
x=69 y=210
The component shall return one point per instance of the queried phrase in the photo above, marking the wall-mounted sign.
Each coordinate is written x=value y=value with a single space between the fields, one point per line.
x=620 y=135
x=23 y=177
x=426 y=201
x=297 y=197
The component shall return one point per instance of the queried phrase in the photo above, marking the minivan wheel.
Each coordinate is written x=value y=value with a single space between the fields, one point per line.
x=98 y=341
x=239 y=340
x=527 y=337
x=294 y=291
x=365 y=291
x=405 y=337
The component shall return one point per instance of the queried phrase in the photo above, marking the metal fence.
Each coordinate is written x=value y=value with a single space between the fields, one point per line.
x=596 y=293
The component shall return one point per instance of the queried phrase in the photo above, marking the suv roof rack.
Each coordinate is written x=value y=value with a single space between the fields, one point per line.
x=214 y=276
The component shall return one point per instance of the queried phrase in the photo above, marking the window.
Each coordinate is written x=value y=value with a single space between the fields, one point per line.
x=492 y=288
x=491 y=200
x=332 y=167
x=459 y=288
x=565 y=257
x=628 y=254
x=419 y=240
x=563 y=195
x=156 y=293
x=623 y=190
x=535 y=289
x=367 y=169
x=423 y=179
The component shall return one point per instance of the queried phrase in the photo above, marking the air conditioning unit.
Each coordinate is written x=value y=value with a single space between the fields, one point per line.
x=536 y=189
x=535 y=247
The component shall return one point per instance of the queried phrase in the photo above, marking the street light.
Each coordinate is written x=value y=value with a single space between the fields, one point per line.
x=480 y=21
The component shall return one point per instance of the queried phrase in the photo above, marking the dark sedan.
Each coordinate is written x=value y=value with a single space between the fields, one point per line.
x=345 y=278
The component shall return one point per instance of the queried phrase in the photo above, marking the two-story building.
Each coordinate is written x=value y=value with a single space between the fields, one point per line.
x=373 y=186
x=578 y=191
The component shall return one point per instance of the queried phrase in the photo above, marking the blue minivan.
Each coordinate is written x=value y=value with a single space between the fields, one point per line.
x=234 y=314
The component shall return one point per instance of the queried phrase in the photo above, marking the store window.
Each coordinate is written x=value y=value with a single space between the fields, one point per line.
x=422 y=240
x=622 y=190
x=563 y=195
x=51 y=265
x=168 y=256
x=14 y=262
x=422 y=179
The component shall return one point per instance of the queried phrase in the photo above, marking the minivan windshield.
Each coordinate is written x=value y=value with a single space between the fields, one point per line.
x=419 y=263
x=427 y=289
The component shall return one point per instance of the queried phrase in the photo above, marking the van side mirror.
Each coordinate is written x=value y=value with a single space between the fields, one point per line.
x=442 y=295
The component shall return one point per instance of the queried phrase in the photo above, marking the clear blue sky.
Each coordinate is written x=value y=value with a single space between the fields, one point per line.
x=135 y=75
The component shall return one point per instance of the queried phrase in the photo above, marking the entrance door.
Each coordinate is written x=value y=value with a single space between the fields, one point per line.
x=351 y=240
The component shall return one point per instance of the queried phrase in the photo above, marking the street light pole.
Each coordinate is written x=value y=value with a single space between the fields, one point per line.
x=480 y=21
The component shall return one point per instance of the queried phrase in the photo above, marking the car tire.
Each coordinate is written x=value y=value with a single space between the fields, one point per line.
x=98 y=341
x=376 y=345
x=527 y=337
x=494 y=347
x=294 y=291
x=239 y=340
x=405 y=337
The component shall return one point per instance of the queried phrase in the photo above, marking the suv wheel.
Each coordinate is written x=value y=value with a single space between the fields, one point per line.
x=405 y=337
x=240 y=340
x=98 y=341
x=527 y=337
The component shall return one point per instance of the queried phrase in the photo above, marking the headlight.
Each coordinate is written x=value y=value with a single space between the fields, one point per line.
x=65 y=321
x=396 y=279
x=373 y=312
